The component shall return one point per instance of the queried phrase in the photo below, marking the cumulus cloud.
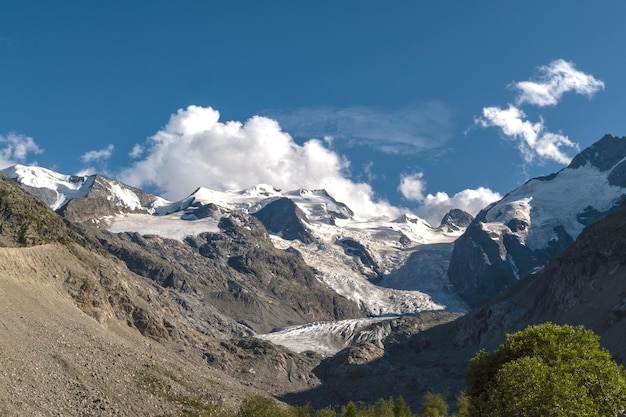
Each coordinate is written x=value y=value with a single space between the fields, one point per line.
x=432 y=208
x=533 y=139
x=195 y=149
x=557 y=78
x=15 y=148
x=409 y=129
x=412 y=186
x=98 y=155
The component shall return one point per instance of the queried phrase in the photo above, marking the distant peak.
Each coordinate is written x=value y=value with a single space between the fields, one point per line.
x=261 y=190
x=456 y=219
x=409 y=218
x=604 y=154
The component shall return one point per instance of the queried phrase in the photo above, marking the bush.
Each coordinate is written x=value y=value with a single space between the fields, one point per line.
x=546 y=370
x=259 y=406
x=433 y=405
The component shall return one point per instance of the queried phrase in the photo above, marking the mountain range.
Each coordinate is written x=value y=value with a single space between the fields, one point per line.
x=289 y=293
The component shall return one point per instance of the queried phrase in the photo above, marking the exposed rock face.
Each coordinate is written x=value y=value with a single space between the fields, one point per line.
x=484 y=263
x=100 y=200
x=605 y=154
x=283 y=217
x=455 y=220
x=232 y=281
x=537 y=222
x=354 y=248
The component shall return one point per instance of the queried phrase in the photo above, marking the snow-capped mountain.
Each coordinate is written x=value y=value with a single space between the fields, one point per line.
x=357 y=258
x=99 y=196
x=538 y=221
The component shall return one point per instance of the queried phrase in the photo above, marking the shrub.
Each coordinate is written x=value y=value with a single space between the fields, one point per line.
x=546 y=370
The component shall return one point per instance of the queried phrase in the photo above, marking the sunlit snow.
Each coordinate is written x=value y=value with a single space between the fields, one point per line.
x=545 y=204
x=66 y=187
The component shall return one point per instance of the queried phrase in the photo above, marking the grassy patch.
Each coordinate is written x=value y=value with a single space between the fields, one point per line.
x=164 y=384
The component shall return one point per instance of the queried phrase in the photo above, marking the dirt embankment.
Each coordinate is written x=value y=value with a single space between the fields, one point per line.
x=57 y=360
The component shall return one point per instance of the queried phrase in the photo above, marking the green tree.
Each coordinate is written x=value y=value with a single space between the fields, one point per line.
x=325 y=412
x=433 y=405
x=349 y=410
x=401 y=409
x=382 y=408
x=462 y=403
x=546 y=370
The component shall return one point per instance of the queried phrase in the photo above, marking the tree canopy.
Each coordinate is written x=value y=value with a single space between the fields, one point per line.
x=546 y=370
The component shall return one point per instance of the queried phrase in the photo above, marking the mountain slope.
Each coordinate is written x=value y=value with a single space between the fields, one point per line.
x=538 y=221
x=25 y=220
x=586 y=285
x=82 y=198
x=86 y=336
x=234 y=272
x=356 y=258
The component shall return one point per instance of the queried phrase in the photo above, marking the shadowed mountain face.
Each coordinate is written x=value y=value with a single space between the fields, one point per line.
x=538 y=221
x=284 y=218
x=586 y=285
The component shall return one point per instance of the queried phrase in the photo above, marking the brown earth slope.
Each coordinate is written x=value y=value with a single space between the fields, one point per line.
x=82 y=335
x=57 y=360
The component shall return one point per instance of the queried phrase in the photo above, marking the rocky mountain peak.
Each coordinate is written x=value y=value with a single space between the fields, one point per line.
x=604 y=154
x=455 y=220
x=283 y=217
x=538 y=221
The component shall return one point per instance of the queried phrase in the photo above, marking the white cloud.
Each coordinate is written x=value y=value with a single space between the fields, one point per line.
x=98 y=155
x=557 y=78
x=412 y=186
x=433 y=207
x=136 y=152
x=85 y=172
x=195 y=149
x=532 y=139
x=409 y=129
x=15 y=148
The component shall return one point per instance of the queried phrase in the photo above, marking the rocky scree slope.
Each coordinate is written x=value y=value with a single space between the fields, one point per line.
x=233 y=281
x=538 y=221
x=86 y=336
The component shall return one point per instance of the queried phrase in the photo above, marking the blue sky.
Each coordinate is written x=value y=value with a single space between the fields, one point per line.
x=405 y=100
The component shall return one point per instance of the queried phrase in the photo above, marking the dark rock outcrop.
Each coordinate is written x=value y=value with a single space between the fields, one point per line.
x=284 y=218
x=354 y=248
x=455 y=220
